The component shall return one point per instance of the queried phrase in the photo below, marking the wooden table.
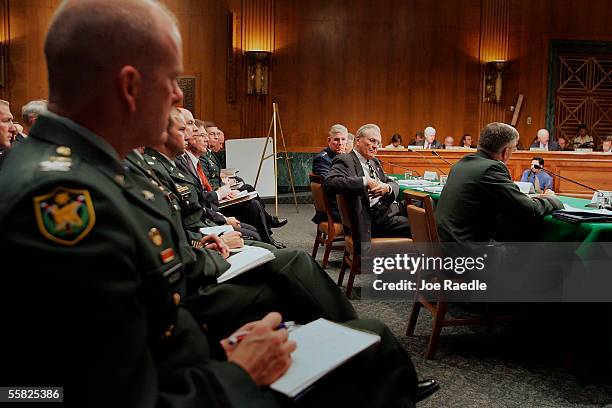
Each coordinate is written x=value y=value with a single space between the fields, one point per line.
x=593 y=169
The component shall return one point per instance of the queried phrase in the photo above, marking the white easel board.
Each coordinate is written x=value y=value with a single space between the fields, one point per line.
x=245 y=155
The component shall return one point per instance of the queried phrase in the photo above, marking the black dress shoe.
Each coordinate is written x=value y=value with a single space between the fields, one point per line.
x=277 y=244
x=425 y=388
x=277 y=222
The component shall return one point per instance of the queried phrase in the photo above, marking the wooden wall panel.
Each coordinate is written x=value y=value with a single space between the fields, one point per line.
x=403 y=64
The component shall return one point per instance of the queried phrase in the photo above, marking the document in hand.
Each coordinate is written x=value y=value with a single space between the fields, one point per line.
x=322 y=346
x=241 y=197
x=249 y=258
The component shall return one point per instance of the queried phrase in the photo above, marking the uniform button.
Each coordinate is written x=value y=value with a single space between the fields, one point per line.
x=176 y=298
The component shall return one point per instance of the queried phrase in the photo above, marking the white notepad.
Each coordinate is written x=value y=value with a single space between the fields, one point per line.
x=322 y=346
x=217 y=230
x=245 y=260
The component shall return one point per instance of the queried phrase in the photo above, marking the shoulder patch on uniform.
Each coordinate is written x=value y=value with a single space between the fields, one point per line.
x=65 y=215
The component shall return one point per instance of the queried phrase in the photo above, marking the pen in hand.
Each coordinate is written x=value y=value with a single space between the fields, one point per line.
x=236 y=338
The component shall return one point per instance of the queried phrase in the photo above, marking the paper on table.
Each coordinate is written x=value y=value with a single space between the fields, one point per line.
x=219 y=229
x=251 y=257
x=416 y=183
x=321 y=347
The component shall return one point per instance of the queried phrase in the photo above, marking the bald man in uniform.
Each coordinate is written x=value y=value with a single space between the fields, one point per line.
x=102 y=265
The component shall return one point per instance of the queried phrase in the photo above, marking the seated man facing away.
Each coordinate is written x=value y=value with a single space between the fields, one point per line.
x=101 y=256
x=359 y=173
x=322 y=162
x=541 y=180
x=480 y=197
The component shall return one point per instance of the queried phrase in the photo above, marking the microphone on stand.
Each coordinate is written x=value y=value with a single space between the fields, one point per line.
x=428 y=161
x=441 y=158
x=400 y=166
x=538 y=167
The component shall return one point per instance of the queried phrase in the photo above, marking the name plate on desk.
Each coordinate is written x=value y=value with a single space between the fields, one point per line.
x=454 y=147
x=415 y=147
x=537 y=149
x=584 y=150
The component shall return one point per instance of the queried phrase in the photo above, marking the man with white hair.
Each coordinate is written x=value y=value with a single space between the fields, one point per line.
x=360 y=173
x=322 y=162
x=30 y=113
x=543 y=141
x=430 y=141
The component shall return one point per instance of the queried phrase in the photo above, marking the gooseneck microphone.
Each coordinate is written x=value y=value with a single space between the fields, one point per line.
x=400 y=166
x=428 y=161
x=538 y=167
x=441 y=158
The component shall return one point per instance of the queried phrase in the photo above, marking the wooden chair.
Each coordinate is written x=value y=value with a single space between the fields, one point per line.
x=352 y=242
x=329 y=233
x=423 y=227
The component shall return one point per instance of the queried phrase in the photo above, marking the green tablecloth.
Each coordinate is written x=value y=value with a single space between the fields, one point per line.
x=558 y=230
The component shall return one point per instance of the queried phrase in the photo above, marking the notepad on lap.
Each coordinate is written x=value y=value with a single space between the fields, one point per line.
x=219 y=229
x=247 y=259
x=322 y=346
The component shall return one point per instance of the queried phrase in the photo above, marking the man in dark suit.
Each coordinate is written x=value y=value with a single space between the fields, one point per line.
x=543 y=142
x=322 y=162
x=480 y=202
x=359 y=173
x=430 y=141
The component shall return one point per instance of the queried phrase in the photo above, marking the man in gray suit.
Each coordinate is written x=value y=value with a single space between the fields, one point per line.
x=359 y=173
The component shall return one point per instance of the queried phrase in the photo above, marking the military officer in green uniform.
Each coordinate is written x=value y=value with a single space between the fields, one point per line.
x=94 y=304
x=480 y=202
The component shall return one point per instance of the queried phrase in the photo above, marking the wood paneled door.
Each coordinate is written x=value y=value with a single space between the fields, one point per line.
x=584 y=95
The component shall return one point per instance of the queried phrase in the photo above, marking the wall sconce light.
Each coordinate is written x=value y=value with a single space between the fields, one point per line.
x=258 y=64
x=493 y=80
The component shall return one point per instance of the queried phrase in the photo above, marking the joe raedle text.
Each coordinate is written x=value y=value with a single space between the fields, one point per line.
x=424 y=285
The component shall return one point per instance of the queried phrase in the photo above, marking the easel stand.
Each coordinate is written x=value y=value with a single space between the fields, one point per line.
x=273 y=133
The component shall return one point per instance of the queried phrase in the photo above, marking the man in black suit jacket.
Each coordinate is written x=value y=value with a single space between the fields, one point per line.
x=480 y=202
x=543 y=141
x=359 y=173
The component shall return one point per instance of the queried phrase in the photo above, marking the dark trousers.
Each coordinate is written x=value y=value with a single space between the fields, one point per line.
x=389 y=220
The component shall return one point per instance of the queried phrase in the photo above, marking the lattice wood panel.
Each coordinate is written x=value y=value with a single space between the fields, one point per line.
x=584 y=95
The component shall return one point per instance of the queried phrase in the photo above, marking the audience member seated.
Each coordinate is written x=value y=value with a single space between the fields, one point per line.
x=126 y=325
x=606 y=145
x=541 y=180
x=30 y=113
x=430 y=141
x=489 y=199
x=564 y=144
x=321 y=164
x=466 y=141
x=543 y=141
x=7 y=127
x=449 y=141
x=396 y=142
x=360 y=173
x=582 y=139
x=419 y=137
x=336 y=144
x=350 y=142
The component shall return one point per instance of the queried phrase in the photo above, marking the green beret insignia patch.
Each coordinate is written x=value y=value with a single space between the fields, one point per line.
x=65 y=215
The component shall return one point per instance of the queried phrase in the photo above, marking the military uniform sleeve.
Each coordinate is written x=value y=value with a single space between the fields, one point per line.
x=321 y=166
x=77 y=316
